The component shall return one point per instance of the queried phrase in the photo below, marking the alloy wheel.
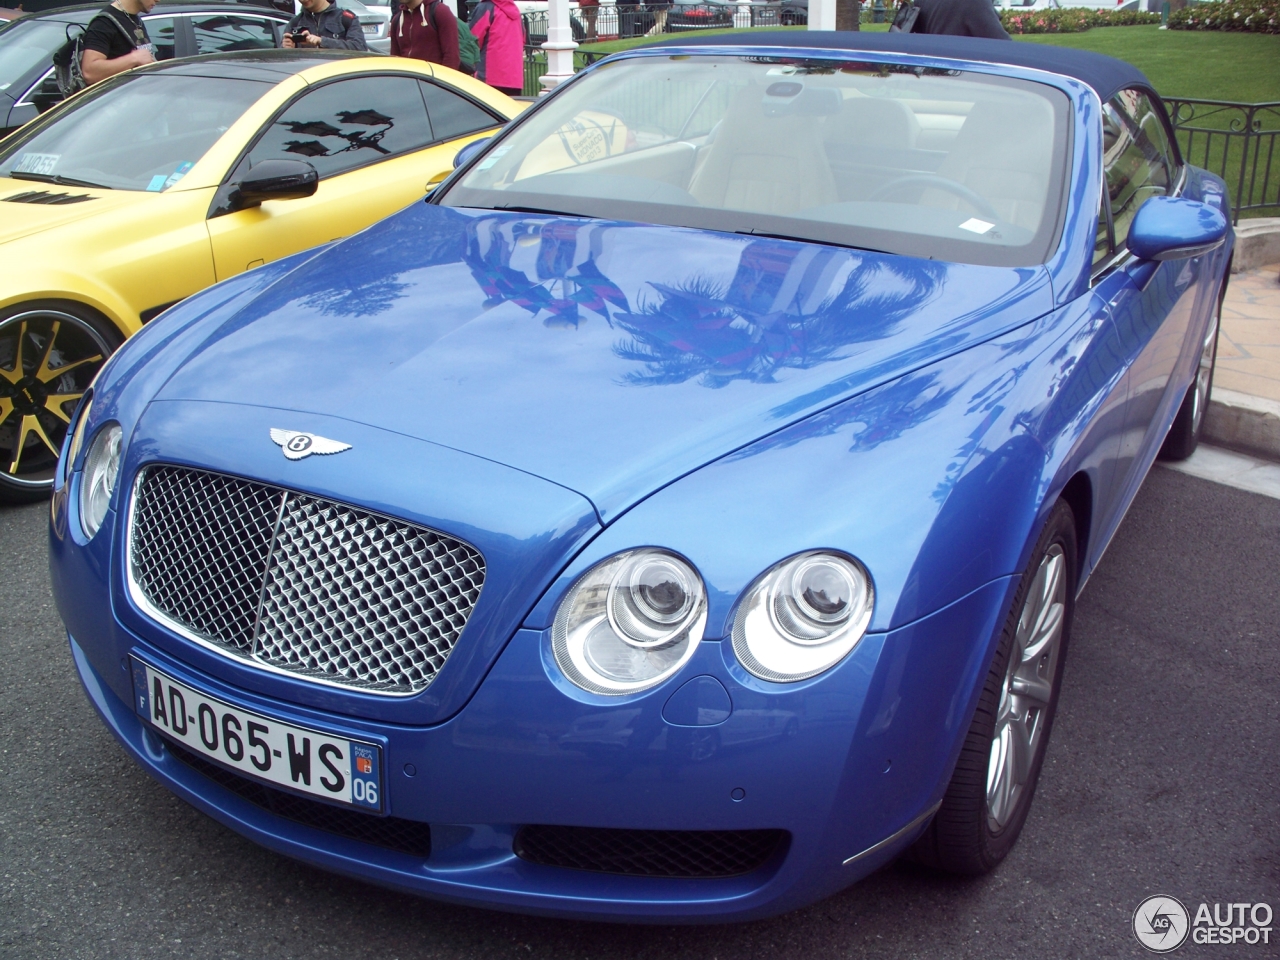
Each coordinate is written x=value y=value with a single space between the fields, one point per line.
x=1027 y=690
x=48 y=358
x=1204 y=375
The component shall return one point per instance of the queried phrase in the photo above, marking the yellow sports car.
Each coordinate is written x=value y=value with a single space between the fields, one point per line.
x=154 y=184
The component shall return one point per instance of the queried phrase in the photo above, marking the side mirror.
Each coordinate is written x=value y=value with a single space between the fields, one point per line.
x=470 y=150
x=1171 y=228
x=282 y=179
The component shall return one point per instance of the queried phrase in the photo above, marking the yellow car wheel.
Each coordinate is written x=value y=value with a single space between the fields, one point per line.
x=50 y=351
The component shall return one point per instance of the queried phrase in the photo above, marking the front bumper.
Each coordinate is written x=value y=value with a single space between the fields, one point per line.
x=842 y=762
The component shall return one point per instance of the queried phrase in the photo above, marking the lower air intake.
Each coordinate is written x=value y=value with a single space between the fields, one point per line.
x=696 y=854
x=404 y=836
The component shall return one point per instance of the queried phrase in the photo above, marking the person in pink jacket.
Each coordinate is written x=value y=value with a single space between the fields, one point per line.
x=499 y=32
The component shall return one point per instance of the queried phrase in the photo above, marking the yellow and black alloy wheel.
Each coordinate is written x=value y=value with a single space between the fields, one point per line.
x=50 y=352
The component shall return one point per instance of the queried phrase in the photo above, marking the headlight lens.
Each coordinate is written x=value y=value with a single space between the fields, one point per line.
x=101 y=466
x=630 y=622
x=803 y=616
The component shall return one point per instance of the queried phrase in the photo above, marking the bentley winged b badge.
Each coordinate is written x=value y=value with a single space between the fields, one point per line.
x=297 y=444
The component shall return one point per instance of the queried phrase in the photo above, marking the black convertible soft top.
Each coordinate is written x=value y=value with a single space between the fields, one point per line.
x=1106 y=75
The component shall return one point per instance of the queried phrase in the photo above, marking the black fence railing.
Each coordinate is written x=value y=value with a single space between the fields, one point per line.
x=1238 y=142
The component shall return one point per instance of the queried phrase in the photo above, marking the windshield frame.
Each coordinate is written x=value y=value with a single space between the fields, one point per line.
x=1042 y=250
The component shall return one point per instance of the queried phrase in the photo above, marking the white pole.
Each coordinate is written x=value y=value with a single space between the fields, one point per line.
x=559 y=45
x=822 y=14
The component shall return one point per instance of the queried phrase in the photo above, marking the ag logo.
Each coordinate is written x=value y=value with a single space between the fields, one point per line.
x=297 y=445
x=1161 y=924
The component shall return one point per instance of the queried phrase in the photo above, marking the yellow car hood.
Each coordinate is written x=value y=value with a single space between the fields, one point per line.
x=28 y=206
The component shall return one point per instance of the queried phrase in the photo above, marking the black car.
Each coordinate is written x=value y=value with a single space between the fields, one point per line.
x=27 y=45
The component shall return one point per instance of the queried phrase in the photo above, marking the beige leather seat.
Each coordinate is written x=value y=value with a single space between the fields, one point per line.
x=764 y=164
x=869 y=144
x=1003 y=153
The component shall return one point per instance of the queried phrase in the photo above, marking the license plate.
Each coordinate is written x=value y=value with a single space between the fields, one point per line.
x=371 y=29
x=261 y=748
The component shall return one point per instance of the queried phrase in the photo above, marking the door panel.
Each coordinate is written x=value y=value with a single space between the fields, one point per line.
x=341 y=206
x=345 y=129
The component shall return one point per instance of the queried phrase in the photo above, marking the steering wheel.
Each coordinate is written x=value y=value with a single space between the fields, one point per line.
x=971 y=197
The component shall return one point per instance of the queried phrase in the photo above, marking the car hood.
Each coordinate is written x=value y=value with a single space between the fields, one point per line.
x=610 y=358
x=29 y=206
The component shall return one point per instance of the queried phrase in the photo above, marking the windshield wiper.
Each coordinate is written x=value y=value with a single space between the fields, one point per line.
x=825 y=243
x=55 y=178
x=519 y=209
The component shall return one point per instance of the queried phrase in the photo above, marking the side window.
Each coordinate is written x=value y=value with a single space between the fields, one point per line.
x=452 y=115
x=1102 y=239
x=222 y=32
x=1147 y=120
x=347 y=124
x=1135 y=168
x=160 y=30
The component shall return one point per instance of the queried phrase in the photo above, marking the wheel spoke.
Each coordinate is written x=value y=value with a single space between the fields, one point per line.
x=1046 y=635
x=16 y=374
x=1019 y=753
x=54 y=404
x=6 y=408
x=1032 y=687
x=29 y=426
x=46 y=376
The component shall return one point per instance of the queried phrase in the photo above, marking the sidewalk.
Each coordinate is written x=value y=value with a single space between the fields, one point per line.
x=1244 y=412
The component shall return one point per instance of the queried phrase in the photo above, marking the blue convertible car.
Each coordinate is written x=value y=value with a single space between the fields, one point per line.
x=679 y=514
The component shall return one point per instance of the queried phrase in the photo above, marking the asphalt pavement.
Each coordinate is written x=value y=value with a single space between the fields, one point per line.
x=1163 y=777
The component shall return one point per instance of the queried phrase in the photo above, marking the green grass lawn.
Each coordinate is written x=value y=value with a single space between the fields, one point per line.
x=1181 y=63
x=1210 y=65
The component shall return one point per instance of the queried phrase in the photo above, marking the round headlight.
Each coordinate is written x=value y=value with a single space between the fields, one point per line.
x=98 y=482
x=803 y=616
x=629 y=622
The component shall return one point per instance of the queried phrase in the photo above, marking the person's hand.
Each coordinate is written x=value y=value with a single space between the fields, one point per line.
x=142 y=56
x=311 y=40
x=287 y=42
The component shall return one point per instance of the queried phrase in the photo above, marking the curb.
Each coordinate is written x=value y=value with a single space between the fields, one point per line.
x=1257 y=244
x=1242 y=422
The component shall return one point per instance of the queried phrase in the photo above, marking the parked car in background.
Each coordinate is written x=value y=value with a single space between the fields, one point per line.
x=680 y=514
x=157 y=183
x=27 y=45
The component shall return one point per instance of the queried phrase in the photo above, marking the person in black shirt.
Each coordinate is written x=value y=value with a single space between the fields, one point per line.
x=116 y=40
x=325 y=24
x=959 y=18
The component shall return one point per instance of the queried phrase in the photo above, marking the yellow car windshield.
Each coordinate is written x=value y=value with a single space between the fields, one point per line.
x=141 y=134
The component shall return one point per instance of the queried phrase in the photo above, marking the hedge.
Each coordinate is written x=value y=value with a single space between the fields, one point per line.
x=1252 y=16
x=1077 y=19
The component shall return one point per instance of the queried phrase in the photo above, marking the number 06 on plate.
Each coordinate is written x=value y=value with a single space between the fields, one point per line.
x=296 y=758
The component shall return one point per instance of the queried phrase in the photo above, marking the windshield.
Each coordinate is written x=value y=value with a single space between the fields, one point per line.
x=943 y=164
x=142 y=134
x=26 y=45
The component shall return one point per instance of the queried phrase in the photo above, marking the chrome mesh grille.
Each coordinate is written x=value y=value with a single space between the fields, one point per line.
x=300 y=583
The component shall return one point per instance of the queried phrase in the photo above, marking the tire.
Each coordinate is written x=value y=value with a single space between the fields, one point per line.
x=1187 y=427
x=50 y=351
x=991 y=790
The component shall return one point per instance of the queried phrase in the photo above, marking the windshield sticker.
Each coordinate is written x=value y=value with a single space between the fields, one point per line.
x=178 y=174
x=494 y=157
x=37 y=163
x=974 y=225
x=157 y=183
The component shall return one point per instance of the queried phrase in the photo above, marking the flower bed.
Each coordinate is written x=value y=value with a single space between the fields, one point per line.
x=1075 y=19
x=1251 y=16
